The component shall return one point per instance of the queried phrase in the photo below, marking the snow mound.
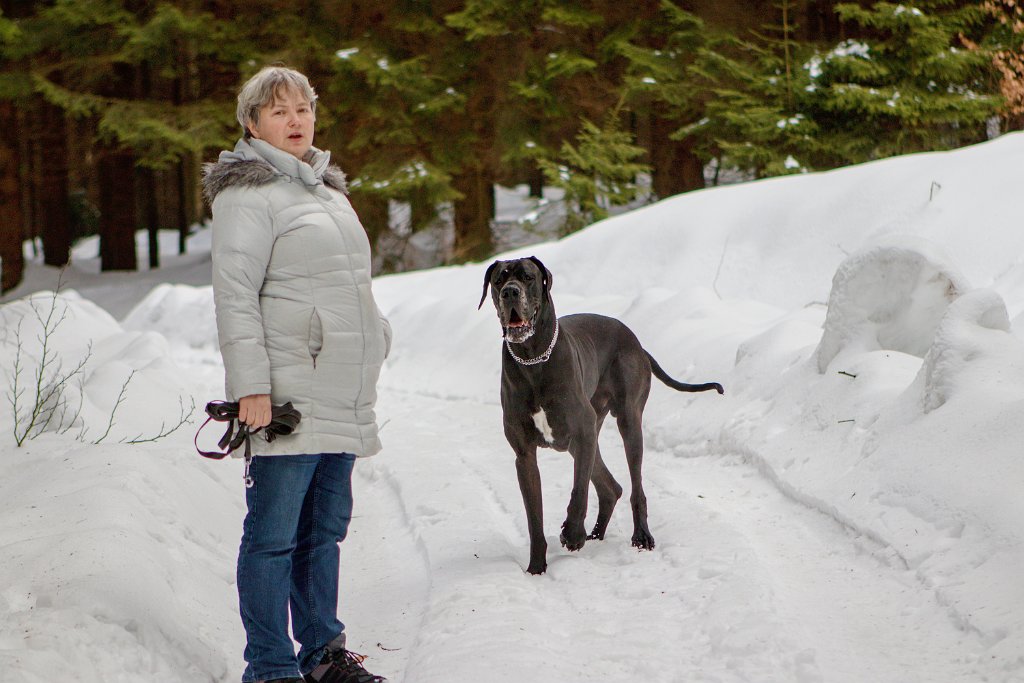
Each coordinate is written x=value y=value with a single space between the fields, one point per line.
x=182 y=314
x=99 y=381
x=971 y=335
x=890 y=296
x=74 y=320
x=102 y=580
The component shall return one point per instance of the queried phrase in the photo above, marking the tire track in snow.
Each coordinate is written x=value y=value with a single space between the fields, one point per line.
x=478 y=552
x=746 y=584
x=843 y=605
x=384 y=573
x=409 y=498
x=605 y=613
x=729 y=443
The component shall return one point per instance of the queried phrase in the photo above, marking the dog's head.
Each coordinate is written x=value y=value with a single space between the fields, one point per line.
x=519 y=290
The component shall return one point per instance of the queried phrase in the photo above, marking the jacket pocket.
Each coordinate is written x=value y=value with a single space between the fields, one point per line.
x=316 y=336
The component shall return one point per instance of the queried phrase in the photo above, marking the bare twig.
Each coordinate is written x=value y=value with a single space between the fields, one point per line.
x=120 y=399
x=38 y=396
x=184 y=418
x=47 y=399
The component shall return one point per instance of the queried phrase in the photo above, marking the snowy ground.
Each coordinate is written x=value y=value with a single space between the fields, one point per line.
x=849 y=511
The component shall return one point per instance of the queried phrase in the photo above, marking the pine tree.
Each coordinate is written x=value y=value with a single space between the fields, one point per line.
x=756 y=117
x=108 y=50
x=11 y=219
x=41 y=150
x=559 y=81
x=446 y=97
x=597 y=173
x=12 y=260
x=909 y=83
x=402 y=115
x=130 y=72
x=660 y=88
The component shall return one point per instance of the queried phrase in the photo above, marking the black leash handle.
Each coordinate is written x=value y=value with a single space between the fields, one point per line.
x=283 y=421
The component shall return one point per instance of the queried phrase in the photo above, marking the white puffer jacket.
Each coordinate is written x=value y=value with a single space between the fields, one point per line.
x=296 y=316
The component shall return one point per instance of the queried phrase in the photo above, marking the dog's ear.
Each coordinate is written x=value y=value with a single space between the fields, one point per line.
x=548 y=277
x=487 y=282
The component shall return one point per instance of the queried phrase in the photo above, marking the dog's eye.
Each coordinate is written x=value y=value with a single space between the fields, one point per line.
x=528 y=277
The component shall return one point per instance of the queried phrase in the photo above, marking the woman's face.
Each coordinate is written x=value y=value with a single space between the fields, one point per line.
x=286 y=123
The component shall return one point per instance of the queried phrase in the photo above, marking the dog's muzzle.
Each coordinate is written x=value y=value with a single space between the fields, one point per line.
x=516 y=319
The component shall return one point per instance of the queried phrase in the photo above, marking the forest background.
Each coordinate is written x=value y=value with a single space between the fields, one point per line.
x=108 y=108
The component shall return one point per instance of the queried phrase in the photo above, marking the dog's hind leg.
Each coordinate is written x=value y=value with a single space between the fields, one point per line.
x=608 y=490
x=583 y=448
x=633 y=440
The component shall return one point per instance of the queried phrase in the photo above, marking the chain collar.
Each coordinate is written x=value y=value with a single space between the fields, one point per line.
x=542 y=358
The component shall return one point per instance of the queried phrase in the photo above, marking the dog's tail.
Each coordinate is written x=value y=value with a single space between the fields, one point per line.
x=680 y=386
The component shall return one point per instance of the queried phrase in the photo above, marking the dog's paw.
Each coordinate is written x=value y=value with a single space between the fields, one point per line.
x=537 y=568
x=643 y=540
x=573 y=537
x=596 y=535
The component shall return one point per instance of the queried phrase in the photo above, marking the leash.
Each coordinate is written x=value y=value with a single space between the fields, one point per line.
x=542 y=358
x=283 y=420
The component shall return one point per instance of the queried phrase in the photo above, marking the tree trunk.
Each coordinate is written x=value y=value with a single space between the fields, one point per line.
x=147 y=187
x=182 y=178
x=536 y=182
x=674 y=166
x=28 y=193
x=473 y=215
x=186 y=89
x=821 y=24
x=117 y=209
x=151 y=212
x=50 y=183
x=12 y=258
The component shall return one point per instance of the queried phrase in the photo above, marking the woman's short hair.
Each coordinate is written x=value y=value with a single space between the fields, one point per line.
x=260 y=90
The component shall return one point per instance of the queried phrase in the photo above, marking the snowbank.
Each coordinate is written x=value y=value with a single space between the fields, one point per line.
x=971 y=347
x=180 y=313
x=910 y=455
x=102 y=383
x=117 y=565
x=889 y=296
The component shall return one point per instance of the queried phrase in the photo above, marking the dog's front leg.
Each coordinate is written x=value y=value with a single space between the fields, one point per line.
x=529 y=486
x=582 y=447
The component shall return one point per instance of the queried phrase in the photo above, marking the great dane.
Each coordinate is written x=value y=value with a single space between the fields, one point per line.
x=560 y=378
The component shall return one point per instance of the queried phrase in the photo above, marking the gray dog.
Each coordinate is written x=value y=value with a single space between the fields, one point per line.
x=560 y=377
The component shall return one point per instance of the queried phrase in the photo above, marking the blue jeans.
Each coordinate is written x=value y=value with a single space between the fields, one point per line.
x=299 y=507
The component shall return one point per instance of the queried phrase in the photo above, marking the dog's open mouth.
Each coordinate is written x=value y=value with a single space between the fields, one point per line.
x=518 y=329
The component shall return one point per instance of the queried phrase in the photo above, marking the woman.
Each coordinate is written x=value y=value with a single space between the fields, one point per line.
x=297 y=322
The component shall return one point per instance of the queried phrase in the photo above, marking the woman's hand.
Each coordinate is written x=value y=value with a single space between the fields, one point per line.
x=254 y=410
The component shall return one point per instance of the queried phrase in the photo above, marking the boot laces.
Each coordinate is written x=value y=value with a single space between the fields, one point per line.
x=349 y=666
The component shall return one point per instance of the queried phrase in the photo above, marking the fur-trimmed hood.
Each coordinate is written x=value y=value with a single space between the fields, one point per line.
x=254 y=163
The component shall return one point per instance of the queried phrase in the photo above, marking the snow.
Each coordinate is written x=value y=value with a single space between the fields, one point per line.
x=847 y=48
x=889 y=296
x=848 y=511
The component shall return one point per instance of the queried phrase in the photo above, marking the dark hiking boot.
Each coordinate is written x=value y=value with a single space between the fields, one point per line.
x=339 y=665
